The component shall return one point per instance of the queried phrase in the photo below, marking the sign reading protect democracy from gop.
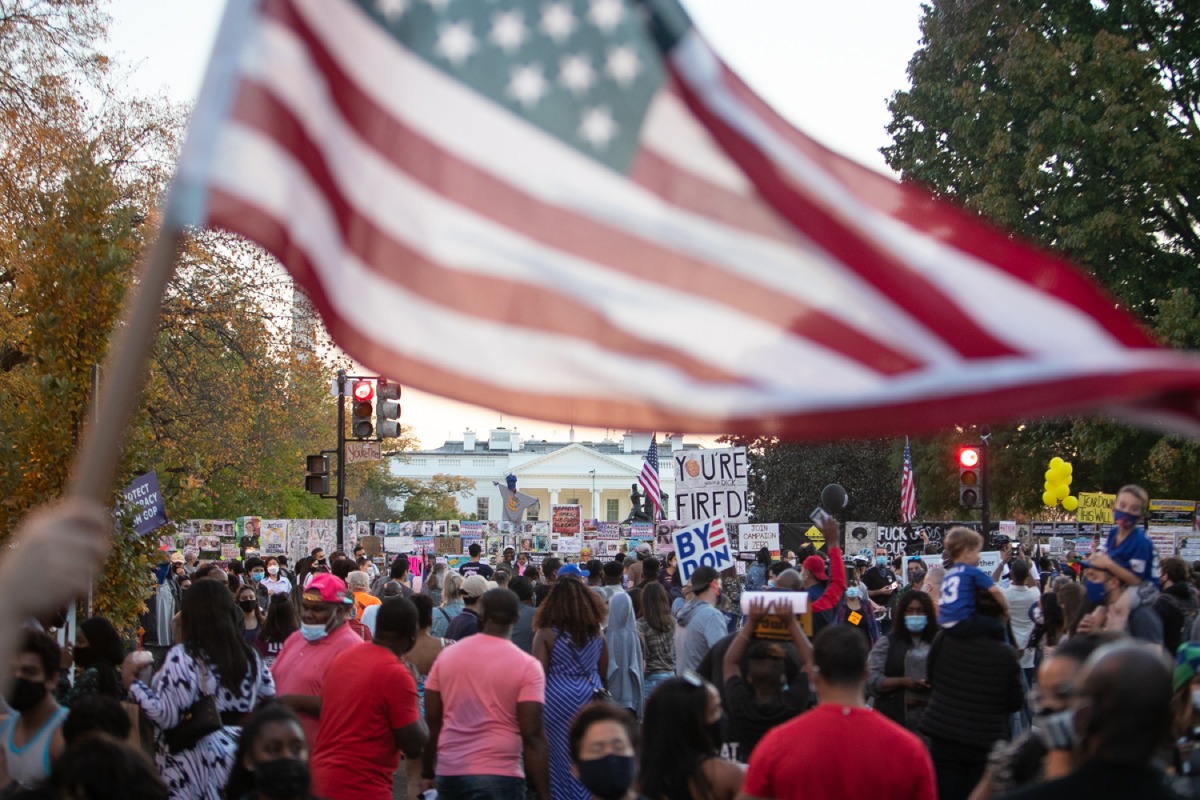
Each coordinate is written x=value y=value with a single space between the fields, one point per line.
x=706 y=544
x=711 y=483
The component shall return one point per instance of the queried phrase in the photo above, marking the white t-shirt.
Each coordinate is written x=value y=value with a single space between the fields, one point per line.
x=1020 y=600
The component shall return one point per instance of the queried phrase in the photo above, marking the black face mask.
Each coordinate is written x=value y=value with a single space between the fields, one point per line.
x=609 y=777
x=25 y=694
x=247 y=605
x=284 y=778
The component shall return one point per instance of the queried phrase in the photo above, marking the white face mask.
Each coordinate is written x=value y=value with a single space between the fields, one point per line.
x=273 y=569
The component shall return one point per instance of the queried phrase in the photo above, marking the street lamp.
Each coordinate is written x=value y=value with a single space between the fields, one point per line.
x=595 y=513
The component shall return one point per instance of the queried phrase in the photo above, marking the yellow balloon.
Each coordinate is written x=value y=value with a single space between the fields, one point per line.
x=1050 y=499
x=1060 y=476
x=1070 y=503
x=1051 y=476
x=1067 y=466
x=1049 y=486
x=1061 y=491
x=1056 y=462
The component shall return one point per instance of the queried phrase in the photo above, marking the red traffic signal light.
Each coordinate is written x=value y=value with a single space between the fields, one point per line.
x=363 y=390
x=968 y=456
x=969 y=483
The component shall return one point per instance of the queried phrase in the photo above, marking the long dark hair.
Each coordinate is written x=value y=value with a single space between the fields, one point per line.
x=258 y=613
x=901 y=631
x=241 y=780
x=572 y=609
x=105 y=652
x=210 y=632
x=281 y=621
x=676 y=742
x=656 y=608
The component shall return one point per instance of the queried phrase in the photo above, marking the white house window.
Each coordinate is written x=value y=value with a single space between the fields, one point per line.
x=612 y=510
x=481 y=507
x=574 y=501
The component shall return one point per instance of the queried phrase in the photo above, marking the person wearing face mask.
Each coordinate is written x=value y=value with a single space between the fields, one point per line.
x=1044 y=752
x=681 y=742
x=1119 y=717
x=1111 y=608
x=856 y=611
x=897 y=663
x=99 y=654
x=272 y=758
x=883 y=586
x=1128 y=552
x=32 y=734
x=602 y=750
x=323 y=635
x=370 y=712
x=274 y=582
x=252 y=615
x=256 y=573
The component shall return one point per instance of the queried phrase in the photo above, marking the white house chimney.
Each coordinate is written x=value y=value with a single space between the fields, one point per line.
x=468 y=441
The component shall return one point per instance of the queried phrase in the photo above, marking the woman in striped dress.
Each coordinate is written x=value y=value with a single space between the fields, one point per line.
x=571 y=648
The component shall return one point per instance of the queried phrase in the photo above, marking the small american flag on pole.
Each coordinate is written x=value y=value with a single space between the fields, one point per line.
x=908 y=489
x=648 y=478
x=471 y=191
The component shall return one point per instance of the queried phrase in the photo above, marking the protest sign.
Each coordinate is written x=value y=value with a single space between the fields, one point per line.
x=274 y=536
x=447 y=545
x=754 y=537
x=1095 y=507
x=145 y=502
x=566 y=520
x=706 y=544
x=711 y=484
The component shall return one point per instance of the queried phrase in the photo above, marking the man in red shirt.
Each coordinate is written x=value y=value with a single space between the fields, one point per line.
x=841 y=748
x=299 y=670
x=369 y=712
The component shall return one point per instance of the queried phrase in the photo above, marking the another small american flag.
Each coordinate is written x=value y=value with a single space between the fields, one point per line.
x=649 y=477
x=908 y=489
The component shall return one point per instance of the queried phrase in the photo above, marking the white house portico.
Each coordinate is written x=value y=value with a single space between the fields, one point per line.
x=595 y=475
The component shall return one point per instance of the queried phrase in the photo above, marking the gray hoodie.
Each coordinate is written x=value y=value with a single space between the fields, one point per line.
x=700 y=627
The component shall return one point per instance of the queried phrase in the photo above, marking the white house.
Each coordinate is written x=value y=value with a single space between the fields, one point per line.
x=596 y=475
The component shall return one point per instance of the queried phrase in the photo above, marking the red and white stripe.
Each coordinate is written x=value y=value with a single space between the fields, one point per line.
x=741 y=278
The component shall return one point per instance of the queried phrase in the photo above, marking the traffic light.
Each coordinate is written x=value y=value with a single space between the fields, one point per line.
x=317 y=479
x=387 y=409
x=969 y=484
x=361 y=423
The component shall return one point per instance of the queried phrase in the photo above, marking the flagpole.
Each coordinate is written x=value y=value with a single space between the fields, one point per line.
x=124 y=370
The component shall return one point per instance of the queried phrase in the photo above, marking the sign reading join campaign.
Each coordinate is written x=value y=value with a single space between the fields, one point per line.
x=705 y=544
x=145 y=501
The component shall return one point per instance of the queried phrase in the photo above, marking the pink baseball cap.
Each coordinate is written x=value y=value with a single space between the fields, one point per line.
x=327 y=588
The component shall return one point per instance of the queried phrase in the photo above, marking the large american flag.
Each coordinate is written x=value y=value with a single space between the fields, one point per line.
x=648 y=478
x=908 y=489
x=573 y=210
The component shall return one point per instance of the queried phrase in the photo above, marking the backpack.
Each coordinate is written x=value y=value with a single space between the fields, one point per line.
x=1189 y=616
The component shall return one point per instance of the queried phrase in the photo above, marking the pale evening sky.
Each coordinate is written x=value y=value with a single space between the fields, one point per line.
x=828 y=67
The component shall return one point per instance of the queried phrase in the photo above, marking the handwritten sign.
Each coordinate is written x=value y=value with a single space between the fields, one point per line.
x=706 y=544
x=752 y=538
x=711 y=483
x=1095 y=507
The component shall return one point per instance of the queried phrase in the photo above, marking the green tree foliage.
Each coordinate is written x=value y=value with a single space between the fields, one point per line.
x=1072 y=123
x=786 y=478
x=233 y=402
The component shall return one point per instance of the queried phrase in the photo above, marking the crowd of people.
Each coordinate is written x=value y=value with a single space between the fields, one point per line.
x=621 y=678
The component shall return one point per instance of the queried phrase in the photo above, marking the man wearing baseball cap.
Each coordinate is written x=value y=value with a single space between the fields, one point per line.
x=300 y=668
x=467 y=623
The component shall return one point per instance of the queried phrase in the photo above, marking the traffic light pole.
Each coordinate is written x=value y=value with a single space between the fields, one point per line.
x=985 y=457
x=341 y=460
